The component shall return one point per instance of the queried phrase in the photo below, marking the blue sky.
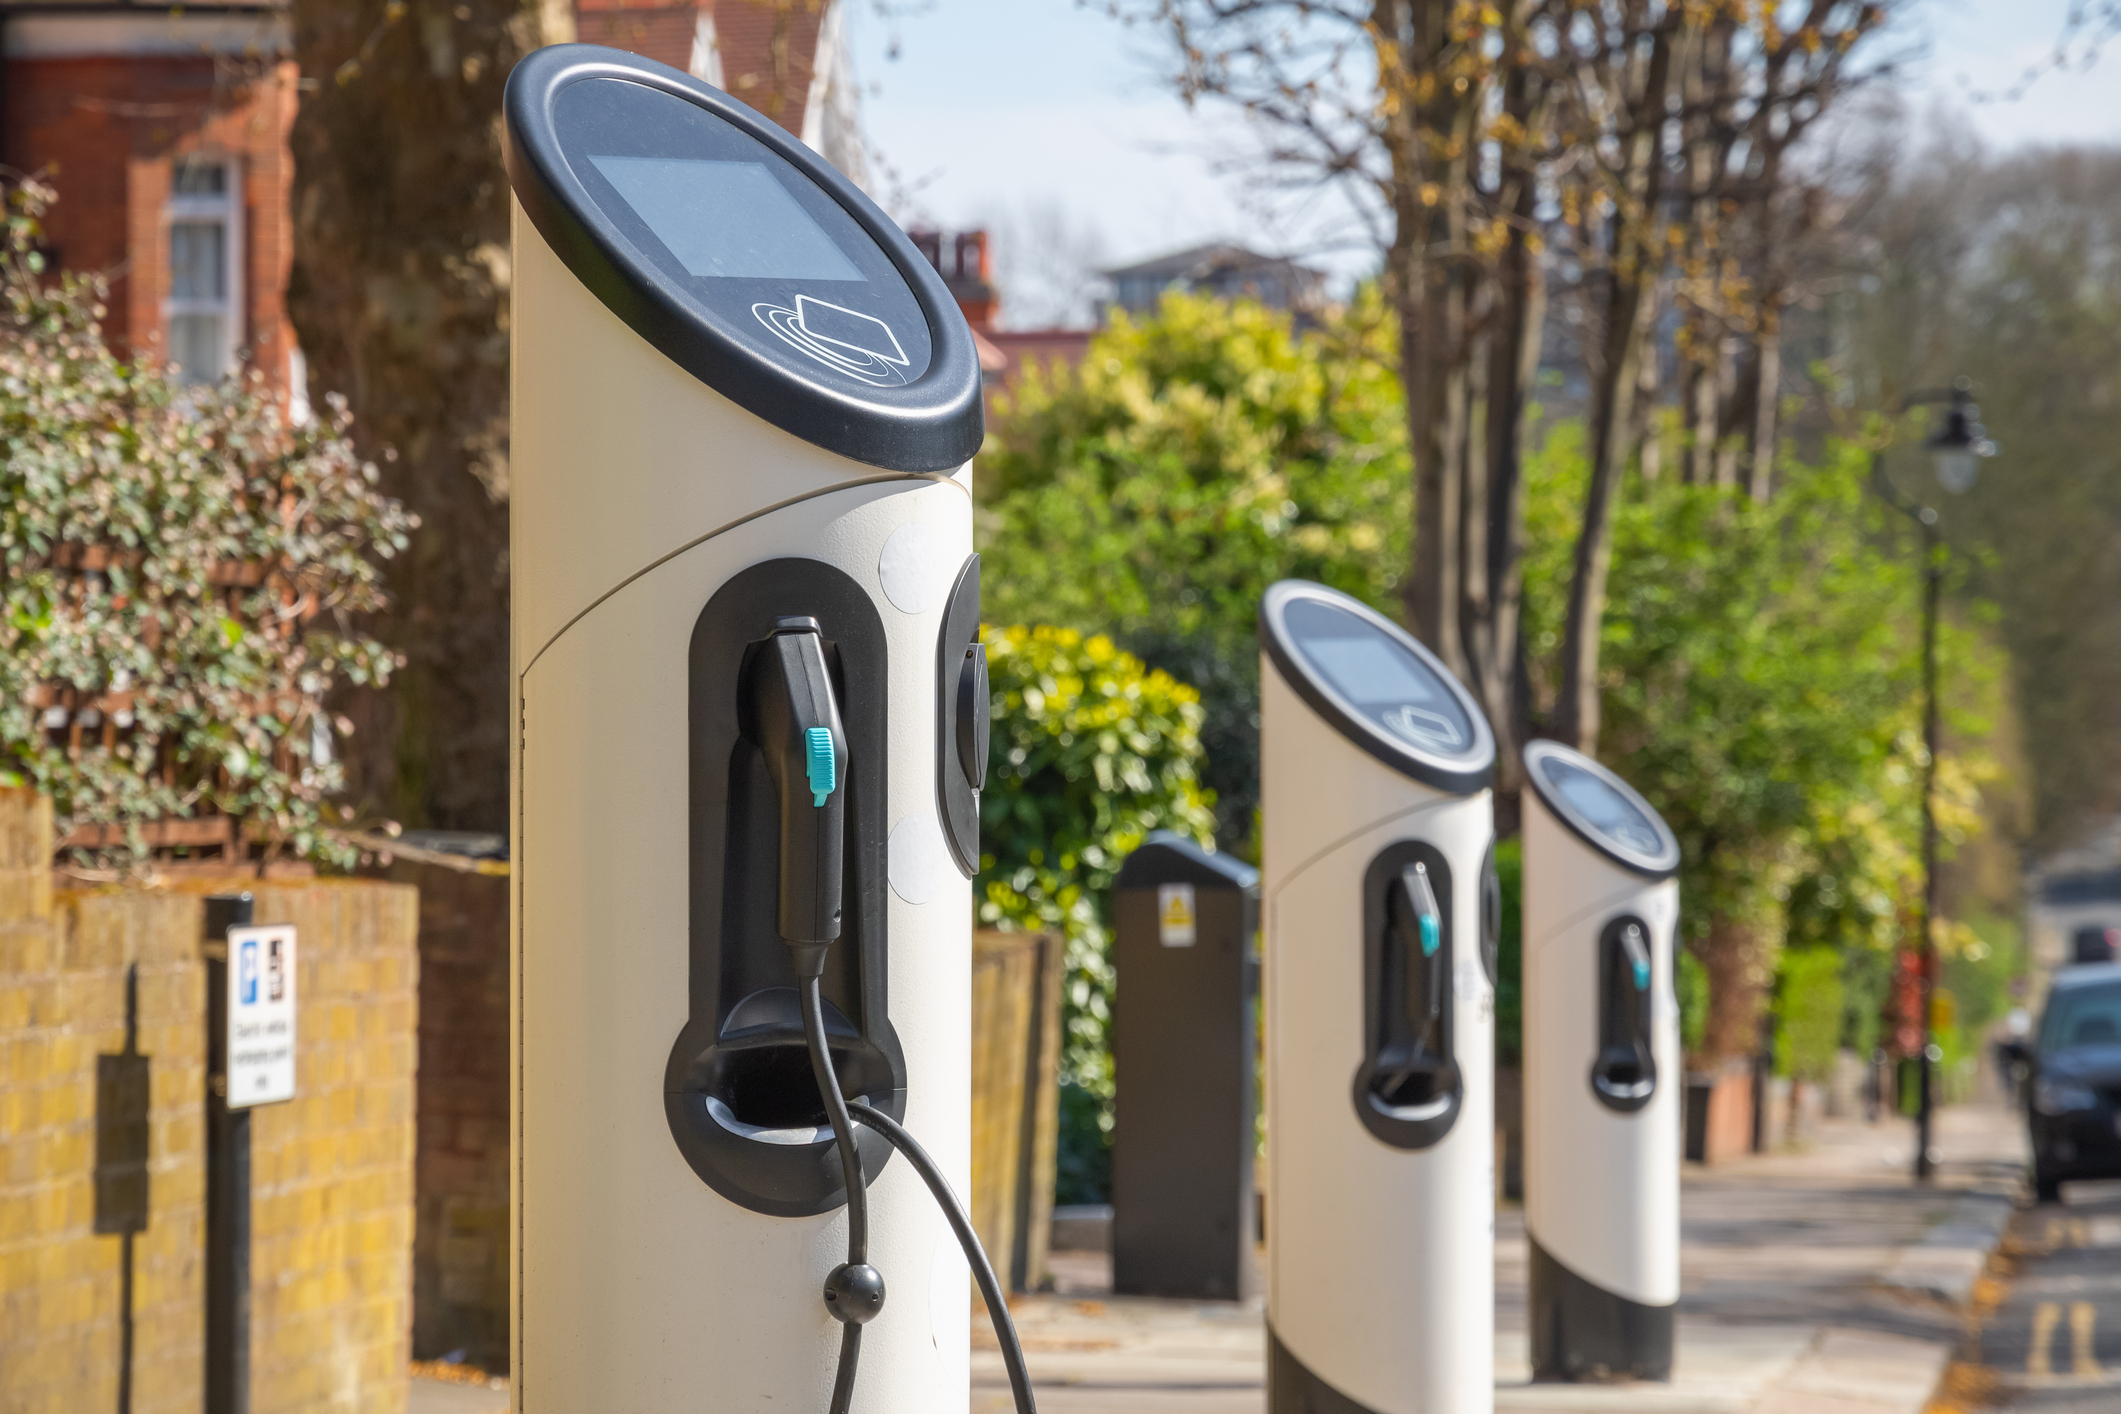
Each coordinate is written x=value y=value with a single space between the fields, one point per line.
x=1046 y=119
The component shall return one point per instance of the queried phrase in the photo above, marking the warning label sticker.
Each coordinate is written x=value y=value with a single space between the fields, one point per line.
x=1174 y=915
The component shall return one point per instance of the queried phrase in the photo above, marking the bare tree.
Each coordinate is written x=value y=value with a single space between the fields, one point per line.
x=1475 y=137
x=1621 y=101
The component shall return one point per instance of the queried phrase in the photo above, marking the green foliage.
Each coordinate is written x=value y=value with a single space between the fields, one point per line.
x=1090 y=752
x=182 y=566
x=1509 y=954
x=1761 y=675
x=1980 y=959
x=1692 y=985
x=1192 y=459
x=1808 y=1014
x=1866 y=988
x=1985 y=956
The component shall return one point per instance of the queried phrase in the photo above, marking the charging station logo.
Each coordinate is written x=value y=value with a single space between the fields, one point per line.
x=1426 y=728
x=845 y=340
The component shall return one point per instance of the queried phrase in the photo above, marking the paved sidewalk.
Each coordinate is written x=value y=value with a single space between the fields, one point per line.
x=429 y=1396
x=1820 y=1282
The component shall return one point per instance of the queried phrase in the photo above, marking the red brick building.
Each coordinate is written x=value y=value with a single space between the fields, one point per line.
x=166 y=134
x=786 y=58
x=165 y=130
x=965 y=260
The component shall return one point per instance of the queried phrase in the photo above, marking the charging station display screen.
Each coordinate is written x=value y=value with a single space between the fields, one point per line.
x=743 y=235
x=1599 y=808
x=1596 y=804
x=688 y=204
x=1380 y=678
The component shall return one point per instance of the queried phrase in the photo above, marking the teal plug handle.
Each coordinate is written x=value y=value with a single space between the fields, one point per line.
x=1631 y=939
x=820 y=764
x=1426 y=912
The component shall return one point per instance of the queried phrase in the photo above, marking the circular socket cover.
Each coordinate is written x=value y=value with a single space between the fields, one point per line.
x=1377 y=685
x=1602 y=809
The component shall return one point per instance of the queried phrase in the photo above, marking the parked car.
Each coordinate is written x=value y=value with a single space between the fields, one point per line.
x=2073 y=1073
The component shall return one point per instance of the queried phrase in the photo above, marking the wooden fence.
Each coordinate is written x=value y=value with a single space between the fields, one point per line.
x=1016 y=1039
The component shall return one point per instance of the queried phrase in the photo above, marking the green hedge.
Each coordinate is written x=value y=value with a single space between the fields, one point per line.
x=1809 y=1014
x=1090 y=752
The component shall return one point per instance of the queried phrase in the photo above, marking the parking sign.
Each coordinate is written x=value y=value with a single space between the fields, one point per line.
x=261 y=1015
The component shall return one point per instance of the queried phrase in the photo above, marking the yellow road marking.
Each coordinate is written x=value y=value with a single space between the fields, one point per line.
x=2045 y=1315
x=2081 y=1316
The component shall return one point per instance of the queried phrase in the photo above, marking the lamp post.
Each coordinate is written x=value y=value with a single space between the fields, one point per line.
x=1956 y=448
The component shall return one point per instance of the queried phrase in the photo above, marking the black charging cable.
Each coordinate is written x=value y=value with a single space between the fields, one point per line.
x=855 y=1290
x=792 y=713
x=990 y=1288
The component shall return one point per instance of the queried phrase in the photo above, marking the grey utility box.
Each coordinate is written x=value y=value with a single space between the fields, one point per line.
x=1184 y=1031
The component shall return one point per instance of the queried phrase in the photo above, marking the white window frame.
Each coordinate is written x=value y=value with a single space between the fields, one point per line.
x=225 y=206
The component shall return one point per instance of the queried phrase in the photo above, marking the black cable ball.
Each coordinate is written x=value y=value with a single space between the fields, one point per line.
x=854 y=1293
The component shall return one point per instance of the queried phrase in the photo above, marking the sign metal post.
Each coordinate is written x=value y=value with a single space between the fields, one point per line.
x=227 y=1182
x=250 y=1060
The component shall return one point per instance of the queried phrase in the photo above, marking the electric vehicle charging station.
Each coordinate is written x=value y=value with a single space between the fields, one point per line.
x=1379 y=962
x=751 y=731
x=1603 y=1081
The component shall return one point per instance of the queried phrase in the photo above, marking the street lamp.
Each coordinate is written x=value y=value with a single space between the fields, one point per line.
x=1959 y=445
x=1956 y=448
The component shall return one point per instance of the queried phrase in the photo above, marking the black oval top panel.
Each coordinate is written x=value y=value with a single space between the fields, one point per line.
x=1377 y=685
x=1601 y=809
x=743 y=256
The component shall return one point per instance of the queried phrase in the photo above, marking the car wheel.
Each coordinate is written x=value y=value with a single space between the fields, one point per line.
x=2046 y=1187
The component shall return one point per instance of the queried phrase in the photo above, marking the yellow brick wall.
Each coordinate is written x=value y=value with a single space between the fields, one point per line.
x=63 y=959
x=331 y=1171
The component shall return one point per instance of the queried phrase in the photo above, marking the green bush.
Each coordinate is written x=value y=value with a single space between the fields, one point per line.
x=1808 y=1014
x=1866 y=988
x=1090 y=752
x=1692 y=984
x=1509 y=954
x=183 y=570
x=1191 y=459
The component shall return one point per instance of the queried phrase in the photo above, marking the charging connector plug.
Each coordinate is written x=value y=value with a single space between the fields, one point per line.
x=793 y=716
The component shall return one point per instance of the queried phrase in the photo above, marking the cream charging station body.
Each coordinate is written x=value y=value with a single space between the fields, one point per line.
x=1602 y=1072
x=1381 y=916
x=744 y=409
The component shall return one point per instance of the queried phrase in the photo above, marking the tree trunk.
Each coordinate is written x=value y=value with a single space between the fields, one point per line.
x=1730 y=385
x=1436 y=414
x=1739 y=959
x=1767 y=398
x=399 y=294
x=1645 y=447
x=1430 y=142
x=1476 y=598
x=1697 y=402
x=1635 y=257
x=1516 y=316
